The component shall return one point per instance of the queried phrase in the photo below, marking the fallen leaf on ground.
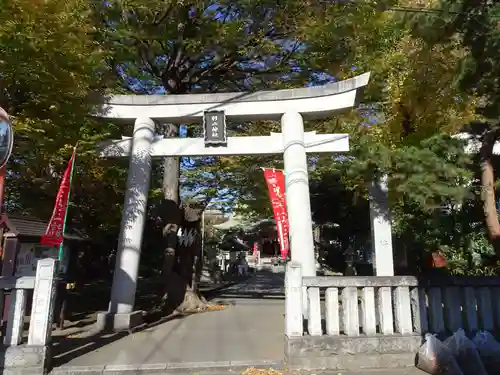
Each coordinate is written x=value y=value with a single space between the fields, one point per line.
x=76 y=335
x=216 y=307
x=260 y=371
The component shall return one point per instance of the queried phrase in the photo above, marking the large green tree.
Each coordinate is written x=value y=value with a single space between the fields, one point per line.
x=174 y=47
x=471 y=29
x=52 y=73
x=477 y=26
x=411 y=98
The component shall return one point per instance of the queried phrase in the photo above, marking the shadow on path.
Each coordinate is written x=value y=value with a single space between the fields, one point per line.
x=242 y=331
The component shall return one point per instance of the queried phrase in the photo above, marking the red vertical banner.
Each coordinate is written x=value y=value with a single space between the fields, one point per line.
x=55 y=230
x=276 y=185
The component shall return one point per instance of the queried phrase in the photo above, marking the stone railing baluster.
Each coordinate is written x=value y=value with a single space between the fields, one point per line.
x=402 y=307
x=314 y=320
x=470 y=309
x=350 y=315
x=452 y=308
x=385 y=315
x=436 y=318
x=419 y=310
x=485 y=308
x=332 y=312
x=369 y=322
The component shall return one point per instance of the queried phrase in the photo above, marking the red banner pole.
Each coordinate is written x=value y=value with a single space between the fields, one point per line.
x=55 y=229
x=276 y=186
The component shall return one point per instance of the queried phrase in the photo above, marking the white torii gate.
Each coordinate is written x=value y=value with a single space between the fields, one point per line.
x=290 y=106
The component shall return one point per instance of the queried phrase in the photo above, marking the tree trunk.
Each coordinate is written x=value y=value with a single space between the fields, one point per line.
x=488 y=190
x=182 y=223
x=189 y=255
x=172 y=218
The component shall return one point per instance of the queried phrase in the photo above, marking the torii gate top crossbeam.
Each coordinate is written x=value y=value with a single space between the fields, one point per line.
x=310 y=102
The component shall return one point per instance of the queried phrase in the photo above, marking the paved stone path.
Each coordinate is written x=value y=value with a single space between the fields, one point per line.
x=250 y=329
x=248 y=332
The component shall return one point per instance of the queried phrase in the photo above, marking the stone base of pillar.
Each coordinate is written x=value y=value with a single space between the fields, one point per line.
x=25 y=360
x=107 y=321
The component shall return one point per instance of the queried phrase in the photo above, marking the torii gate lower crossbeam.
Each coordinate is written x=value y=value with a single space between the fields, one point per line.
x=256 y=145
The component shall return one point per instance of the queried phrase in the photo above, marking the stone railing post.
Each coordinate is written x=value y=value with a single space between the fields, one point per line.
x=44 y=296
x=294 y=325
x=15 y=322
x=381 y=228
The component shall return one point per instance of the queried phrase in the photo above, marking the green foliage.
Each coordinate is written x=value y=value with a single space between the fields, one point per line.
x=428 y=174
x=478 y=24
x=341 y=213
x=457 y=231
x=474 y=26
x=182 y=47
x=412 y=83
x=52 y=73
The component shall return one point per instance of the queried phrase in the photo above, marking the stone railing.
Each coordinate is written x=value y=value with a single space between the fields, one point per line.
x=468 y=302
x=29 y=356
x=379 y=321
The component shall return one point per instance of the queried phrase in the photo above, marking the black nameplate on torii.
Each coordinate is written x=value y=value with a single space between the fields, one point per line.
x=214 y=128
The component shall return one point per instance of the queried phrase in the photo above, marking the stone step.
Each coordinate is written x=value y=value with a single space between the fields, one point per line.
x=217 y=368
x=184 y=368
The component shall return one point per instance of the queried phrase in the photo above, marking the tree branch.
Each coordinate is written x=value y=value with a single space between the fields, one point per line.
x=160 y=18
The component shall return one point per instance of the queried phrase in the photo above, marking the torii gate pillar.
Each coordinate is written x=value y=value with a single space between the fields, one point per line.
x=297 y=192
x=120 y=314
